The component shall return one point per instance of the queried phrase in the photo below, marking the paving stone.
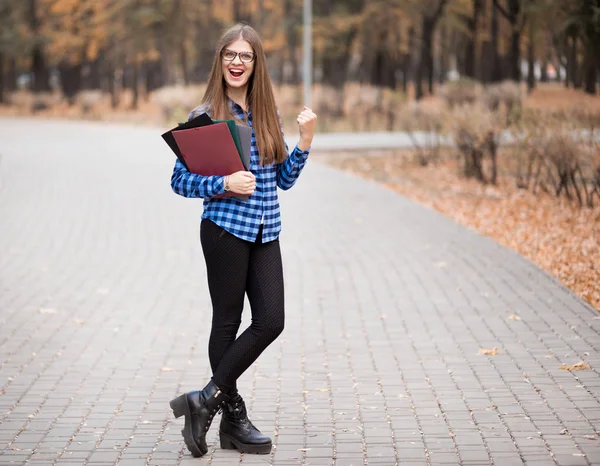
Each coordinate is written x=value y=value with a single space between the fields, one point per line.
x=104 y=304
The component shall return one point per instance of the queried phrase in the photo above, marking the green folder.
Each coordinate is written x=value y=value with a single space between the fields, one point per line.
x=236 y=137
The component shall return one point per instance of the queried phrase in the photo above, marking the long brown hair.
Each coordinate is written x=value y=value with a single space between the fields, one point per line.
x=260 y=98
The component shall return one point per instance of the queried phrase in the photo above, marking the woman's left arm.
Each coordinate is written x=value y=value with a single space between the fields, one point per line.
x=289 y=171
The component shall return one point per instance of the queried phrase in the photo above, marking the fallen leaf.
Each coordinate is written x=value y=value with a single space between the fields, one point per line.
x=590 y=437
x=514 y=317
x=304 y=449
x=489 y=352
x=166 y=369
x=580 y=366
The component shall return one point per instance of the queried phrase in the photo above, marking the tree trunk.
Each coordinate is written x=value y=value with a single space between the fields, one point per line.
x=2 y=60
x=94 y=77
x=590 y=69
x=427 y=27
x=530 y=61
x=570 y=79
x=515 y=56
x=382 y=67
x=291 y=20
x=425 y=66
x=70 y=80
x=544 y=78
x=471 y=48
x=259 y=19
x=135 y=84
x=279 y=77
x=575 y=71
x=41 y=75
x=10 y=81
x=443 y=60
x=496 y=65
x=112 y=86
x=430 y=67
x=407 y=60
x=239 y=13
x=336 y=58
x=165 y=54
x=153 y=77
x=184 y=62
x=512 y=16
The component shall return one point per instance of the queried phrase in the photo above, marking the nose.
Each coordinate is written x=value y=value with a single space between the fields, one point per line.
x=237 y=59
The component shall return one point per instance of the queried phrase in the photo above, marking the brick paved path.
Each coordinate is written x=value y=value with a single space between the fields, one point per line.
x=104 y=304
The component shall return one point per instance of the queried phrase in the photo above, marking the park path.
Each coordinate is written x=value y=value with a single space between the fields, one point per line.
x=104 y=304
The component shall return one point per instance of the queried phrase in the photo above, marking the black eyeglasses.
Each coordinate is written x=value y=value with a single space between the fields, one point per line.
x=246 y=57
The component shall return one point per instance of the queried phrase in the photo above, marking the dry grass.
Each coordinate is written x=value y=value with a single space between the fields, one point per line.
x=560 y=237
x=352 y=108
x=96 y=108
x=556 y=97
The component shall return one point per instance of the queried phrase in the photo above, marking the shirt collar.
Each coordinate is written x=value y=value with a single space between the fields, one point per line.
x=237 y=110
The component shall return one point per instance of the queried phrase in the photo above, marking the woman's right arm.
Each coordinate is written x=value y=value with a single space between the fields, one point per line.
x=188 y=184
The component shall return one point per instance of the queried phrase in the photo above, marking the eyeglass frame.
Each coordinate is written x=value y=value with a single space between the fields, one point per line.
x=237 y=54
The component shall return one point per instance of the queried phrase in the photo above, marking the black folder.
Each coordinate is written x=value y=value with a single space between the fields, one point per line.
x=201 y=120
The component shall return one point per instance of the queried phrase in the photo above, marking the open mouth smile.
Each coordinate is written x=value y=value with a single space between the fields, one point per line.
x=236 y=73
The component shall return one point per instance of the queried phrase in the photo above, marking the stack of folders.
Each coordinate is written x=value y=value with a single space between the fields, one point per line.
x=207 y=147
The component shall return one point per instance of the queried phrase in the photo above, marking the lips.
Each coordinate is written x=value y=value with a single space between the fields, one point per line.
x=236 y=73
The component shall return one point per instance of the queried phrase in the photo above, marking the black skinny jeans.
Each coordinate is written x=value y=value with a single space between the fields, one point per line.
x=236 y=267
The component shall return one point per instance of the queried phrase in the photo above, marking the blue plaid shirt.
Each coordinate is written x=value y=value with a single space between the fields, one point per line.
x=243 y=218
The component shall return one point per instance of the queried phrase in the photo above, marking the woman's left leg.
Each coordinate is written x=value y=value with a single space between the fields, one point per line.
x=265 y=292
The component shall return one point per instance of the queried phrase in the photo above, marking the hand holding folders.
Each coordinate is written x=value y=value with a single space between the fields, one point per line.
x=208 y=147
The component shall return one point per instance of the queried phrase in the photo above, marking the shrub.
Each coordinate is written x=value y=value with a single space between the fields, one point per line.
x=461 y=92
x=425 y=128
x=476 y=131
x=89 y=99
x=21 y=99
x=45 y=101
x=505 y=95
x=175 y=99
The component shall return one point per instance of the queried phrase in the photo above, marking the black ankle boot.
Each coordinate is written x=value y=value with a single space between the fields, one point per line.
x=238 y=433
x=199 y=409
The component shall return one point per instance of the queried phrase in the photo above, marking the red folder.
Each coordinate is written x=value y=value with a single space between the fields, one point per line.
x=210 y=150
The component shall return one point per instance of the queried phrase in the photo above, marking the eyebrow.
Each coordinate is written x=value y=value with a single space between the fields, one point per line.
x=240 y=51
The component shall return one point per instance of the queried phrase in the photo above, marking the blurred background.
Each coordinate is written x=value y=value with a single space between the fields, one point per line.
x=514 y=83
x=105 y=58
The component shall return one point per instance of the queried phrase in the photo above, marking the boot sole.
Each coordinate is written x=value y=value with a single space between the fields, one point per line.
x=229 y=443
x=180 y=408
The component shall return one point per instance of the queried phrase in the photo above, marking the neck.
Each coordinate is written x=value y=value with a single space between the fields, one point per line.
x=238 y=95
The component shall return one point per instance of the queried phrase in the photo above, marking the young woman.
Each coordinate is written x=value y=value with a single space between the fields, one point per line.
x=240 y=239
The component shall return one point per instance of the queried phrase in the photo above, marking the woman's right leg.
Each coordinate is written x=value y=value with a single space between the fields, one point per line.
x=227 y=266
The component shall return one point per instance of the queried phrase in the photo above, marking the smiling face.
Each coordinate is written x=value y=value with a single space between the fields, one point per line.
x=237 y=72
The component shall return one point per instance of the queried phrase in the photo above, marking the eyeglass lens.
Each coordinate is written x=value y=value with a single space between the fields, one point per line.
x=230 y=55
